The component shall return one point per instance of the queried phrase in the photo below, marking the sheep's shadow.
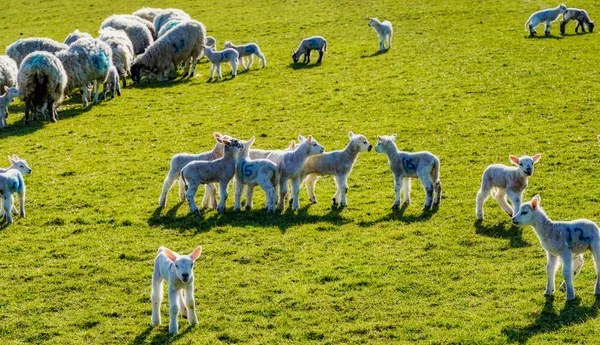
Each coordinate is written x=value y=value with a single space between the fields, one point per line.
x=377 y=53
x=299 y=65
x=550 y=321
x=513 y=233
x=161 y=337
x=397 y=214
x=220 y=80
x=544 y=37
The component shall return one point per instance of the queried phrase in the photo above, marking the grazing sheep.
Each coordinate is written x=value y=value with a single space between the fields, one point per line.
x=502 y=181
x=407 y=165
x=11 y=183
x=8 y=72
x=580 y=16
x=112 y=83
x=548 y=15
x=563 y=242
x=138 y=33
x=384 y=30
x=248 y=50
x=21 y=48
x=168 y=26
x=147 y=13
x=317 y=43
x=178 y=271
x=146 y=23
x=337 y=163
x=219 y=57
x=75 y=35
x=86 y=60
x=5 y=100
x=183 y=43
x=42 y=80
x=252 y=172
x=122 y=51
x=167 y=15
x=221 y=170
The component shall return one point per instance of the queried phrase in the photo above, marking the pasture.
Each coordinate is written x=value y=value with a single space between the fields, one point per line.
x=461 y=81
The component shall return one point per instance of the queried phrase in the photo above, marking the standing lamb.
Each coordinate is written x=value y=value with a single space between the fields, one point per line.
x=384 y=30
x=111 y=84
x=75 y=35
x=580 y=16
x=23 y=47
x=563 y=242
x=167 y=15
x=406 y=165
x=502 y=181
x=548 y=15
x=317 y=43
x=138 y=33
x=147 y=13
x=42 y=79
x=5 y=100
x=11 y=183
x=248 y=50
x=122 y=51
x=218 y=57
x=8 y=72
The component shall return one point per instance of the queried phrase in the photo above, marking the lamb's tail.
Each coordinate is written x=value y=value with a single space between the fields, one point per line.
x=185 y=185
x=527 y=24
x=275 y=179
x=325 y=45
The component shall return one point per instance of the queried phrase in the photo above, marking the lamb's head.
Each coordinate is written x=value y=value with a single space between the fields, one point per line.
x=314 y=148
x=373 y=21
x=295 y=56
x=184 y=264
x=11 y=92
x=360 y=141
x=525 y=163
x=232 y=145
x=19 y=164
x=245 y=151
x=563 y=8
x=526 y=215
x=385 y=143
x=227 y=45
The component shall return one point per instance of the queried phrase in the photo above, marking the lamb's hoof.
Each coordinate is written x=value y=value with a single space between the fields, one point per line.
x=52 y=119
x=334 y=202
x=221 y=210
x=248 y=207
x=209 y=80
x=291 y=202
x=395 y=206
x=183 y=76
x=343 y=205
x=426 y=207
x=313 y=201
x=270 y=210
x=237 y=209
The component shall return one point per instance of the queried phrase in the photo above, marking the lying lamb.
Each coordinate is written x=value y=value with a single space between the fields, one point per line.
x=580 y=16
x=5 y=100
x=218 y=57
x=548 y=15
x=248 y=50
x=384 y=30
x=317 y=43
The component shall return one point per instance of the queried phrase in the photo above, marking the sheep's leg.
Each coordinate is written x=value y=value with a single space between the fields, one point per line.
x=577 y=266
x=124 y=79
x=189 y=303
x=186 y=69
x=311 y=181
x=250 y=196
x=515 y=199
x=194 y=62
x=172 y=176
x=238 y=188
x=283 y=190
x=173 y=310
x=320 y=55
x=84 y=97
x=482 y=195
x=27 y=111
x=190 y=193
x=397 y=188
x=567 y=272
x=500 y=197
x=296 y=193
x=156 y=296
x=182 y=307
x=307 y=56
x=406 y=184
x=96 y=91
x=117 y=89
x=551 y=266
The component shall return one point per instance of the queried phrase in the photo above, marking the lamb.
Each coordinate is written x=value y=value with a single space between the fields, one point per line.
x=178 y=271
x=384 y=30
x=75 y=35
x=138 y=33
x=220 y=170
x=168 y=15
x=548 y=15
x=562 y=241
x=8 y=72
x=219 y=57
x=183 y=43
x=580 y=16
x=17 y=164
x=338 y=163
x=147 y=13
x=317 y=43
x=5 y=100
x=112 y=83
x=21 y=48
x=11 y=183
x=122 y=51
x=42 y=80
x=21 y=166
x=248 y=50
x=407 y=165
x=252 y=172
x=501 y=181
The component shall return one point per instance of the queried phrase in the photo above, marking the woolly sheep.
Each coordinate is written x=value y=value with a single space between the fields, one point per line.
x=248 y=50
x=548 y=15
x=167 y=15
x=502 y=181
x=337 y=163
x=42 y=80
x=21 y=48
x=148 y=24
x=5 y=100
x=138 y=33
x=111 y=84
x=216 y=58
x=122 y=50
x=563 y=242
x=384 y=31
x=580 y=16
x=8 y=72
x=168 y=26
x=75 y=35
x=147 y=13
x=406 y=165
x=317 y=43
x=183 y=43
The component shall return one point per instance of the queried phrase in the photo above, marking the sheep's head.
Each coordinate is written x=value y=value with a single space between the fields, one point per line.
x=563 y=8
x=314 y=148
x=19 y=164
x=384 y=143
x=295 y=56
x=525 y=216
x=360 y=140
x=525 y=163
x=184 y=264
x=137 y=70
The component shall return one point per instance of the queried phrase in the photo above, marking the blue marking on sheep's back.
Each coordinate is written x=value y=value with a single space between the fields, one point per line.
x=249 y=49
x=38 y=59
x=171 y=24
x=100 y=61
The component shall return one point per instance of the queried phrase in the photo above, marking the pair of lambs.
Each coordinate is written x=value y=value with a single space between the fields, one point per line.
x=550 y=15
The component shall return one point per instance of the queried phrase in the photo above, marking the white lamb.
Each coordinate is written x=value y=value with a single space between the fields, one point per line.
x=548 y=16
x=337 y=163
x=502 y=181
x=11 y=183
x=219 y=57
x=111 y=84
x=317 y=43
x=17 y=164
x=178 y=271
x=248 y=50
x=9 y=95
x=20 y=165
x=407 y=165
x=384 y=30
x=562 y=241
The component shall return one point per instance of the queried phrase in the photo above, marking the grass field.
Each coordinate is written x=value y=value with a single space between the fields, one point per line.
x=461 y=81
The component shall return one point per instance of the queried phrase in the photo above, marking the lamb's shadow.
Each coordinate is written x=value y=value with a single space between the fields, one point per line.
x=513 y=233
x=575 y=34
x=299 y=65
x=377 y=53
x=162 y=337
x=220 y=80
x=398 y=215
x=550 y=321
x=544 y=37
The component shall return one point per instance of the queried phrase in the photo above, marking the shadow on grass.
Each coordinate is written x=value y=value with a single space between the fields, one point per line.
x=513 y=233
x=297 y=66
x=550 y=321
x=377 y=53
x=161 y=337
x=398 y=214
x=554 y=37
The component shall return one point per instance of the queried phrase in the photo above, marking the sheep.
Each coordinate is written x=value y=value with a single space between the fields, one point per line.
x=580 y=16
x=178 y=271
x=147 y=13
x=8 y=72
x=148 y=24
x=337 y=163
x=11 y=183
x=317 y=43
x=122 y=51
x=112 y=83
x=220 y=170
x=183 y=43
x=21 y=48
x=86 y=60
x=502 y=181
x=75 y=35
x=384 y=30
x=5 y=100
x=548 y=15
x=219 y=57
x=42 y=80
x=168 y=15
x=252 y=172
x=138 y=33
x=168 y=26
x=407 y=165
x=563 y=242
x=248 y=50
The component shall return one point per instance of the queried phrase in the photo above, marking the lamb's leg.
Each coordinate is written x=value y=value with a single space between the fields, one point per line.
x=250 y=196
x=343 y=186
x=500 y=197
x=223 y=185
x=219 y=71
x=551 y=266
x=212 y=71
x=381 y=43
x=311 y=181
x=577 y=266
x=397 y=188
x=283 y=190
x=238 y=188
x=7 y=206
x=181 y=190
x=213 y=195
x=182 y=307
x=296 y=193
x=438 y=193
x=21 y=197
x=406 y=185
x=567 y=272
x=337 y=198
x=307 y=56
x=84 y=96
x=320 y=56
x=172 y=176
x=250 y=61
x=194 y=62
x=547 y=29
x=596 y=256
x=242 y=62
x=428 y=186
x=189 y=303
x=156 y=296
x=482 y=195
x=173 y=310
x=271 y=192
x=190 y=193
x=390 y=41
x=234 y=68
x=515 y=199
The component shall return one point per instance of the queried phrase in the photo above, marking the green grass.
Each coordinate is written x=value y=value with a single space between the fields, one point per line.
x=461 y=81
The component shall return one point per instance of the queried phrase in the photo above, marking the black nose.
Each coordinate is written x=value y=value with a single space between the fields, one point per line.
x=370 y=147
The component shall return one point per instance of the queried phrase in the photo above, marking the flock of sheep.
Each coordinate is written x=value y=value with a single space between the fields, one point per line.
x=157 y=42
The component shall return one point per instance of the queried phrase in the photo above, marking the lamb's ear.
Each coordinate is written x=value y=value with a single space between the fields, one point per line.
x=598 y=137
x=170 y=254
x=5 y=88
x=292 y=145
x=535 y=202
x=309 y=140
x=350 y=135
x=536 y=158
x=301 y=138
x=514 y=159
x=218 y=135
x=394 y=136
x=250 y=142
x=196 y=253
x=11 y=159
